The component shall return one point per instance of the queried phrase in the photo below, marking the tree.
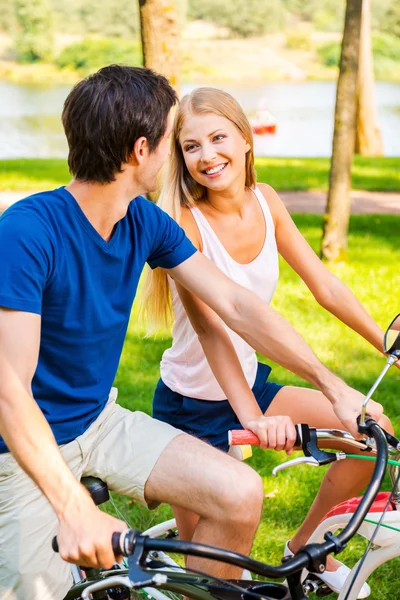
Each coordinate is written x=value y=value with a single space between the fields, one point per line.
x=368 y=135
x=336 y=220
x=34 y=37
x=245 y=18
x=7 y=16
x=160 y=38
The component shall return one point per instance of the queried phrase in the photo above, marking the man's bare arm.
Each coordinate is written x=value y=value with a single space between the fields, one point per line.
x=31 y=441
x=268 y=333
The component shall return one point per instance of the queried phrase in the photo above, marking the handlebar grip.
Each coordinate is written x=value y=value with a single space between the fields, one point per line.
x=116 y=543
x=240 y=437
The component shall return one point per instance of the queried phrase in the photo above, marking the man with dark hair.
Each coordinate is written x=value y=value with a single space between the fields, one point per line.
x=71 y=261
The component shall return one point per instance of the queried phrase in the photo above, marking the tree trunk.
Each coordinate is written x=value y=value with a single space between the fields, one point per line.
x=336 y=220
x=368 y=137
x=160 y=38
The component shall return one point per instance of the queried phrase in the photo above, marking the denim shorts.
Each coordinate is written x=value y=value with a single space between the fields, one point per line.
x=205 y=419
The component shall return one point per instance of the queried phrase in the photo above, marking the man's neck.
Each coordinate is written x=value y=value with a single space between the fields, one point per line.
x=104 y=204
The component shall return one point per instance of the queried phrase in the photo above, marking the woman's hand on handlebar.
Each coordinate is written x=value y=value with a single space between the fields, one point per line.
x=348 y=408
x=85 y=533
x=276 y=433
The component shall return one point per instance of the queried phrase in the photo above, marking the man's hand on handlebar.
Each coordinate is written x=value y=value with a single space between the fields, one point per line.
x=85 y=533
x=276 y=433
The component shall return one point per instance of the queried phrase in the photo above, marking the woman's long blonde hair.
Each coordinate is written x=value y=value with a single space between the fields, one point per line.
x=181 y=190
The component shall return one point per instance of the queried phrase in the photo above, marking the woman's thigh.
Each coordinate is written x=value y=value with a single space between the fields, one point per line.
x=304 y=405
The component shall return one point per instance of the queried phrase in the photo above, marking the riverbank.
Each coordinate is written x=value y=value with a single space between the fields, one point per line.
x=207 y=58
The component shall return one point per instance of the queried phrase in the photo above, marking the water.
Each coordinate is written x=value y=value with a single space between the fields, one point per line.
x=30 y=124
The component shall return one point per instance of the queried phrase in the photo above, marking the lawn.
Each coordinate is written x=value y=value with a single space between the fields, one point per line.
x=382 y=174
x=372 y=273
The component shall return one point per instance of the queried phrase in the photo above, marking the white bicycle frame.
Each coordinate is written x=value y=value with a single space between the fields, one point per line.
x=386 y=538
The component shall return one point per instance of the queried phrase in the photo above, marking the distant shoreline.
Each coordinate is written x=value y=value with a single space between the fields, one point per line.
x=209 y=61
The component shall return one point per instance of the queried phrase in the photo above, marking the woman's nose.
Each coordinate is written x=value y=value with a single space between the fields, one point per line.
x=208 y=154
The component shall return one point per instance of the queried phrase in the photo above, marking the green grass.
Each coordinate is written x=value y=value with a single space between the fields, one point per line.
x=373 y=274
x=382 y=174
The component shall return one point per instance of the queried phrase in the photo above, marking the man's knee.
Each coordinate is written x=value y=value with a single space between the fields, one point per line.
x=243 y=498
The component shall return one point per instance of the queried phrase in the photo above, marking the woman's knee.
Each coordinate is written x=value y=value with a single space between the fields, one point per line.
x=386 y=424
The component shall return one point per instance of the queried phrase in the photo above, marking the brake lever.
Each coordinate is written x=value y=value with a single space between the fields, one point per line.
x=301 y=460
x=309 y=444
x=308 y=460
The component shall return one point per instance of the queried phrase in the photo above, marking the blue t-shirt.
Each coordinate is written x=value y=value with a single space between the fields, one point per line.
x=54 y=263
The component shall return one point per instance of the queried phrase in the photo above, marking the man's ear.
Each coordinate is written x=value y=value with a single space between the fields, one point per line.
x=140 y=150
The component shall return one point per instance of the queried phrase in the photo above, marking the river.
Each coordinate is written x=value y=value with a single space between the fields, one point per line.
x=30 y=124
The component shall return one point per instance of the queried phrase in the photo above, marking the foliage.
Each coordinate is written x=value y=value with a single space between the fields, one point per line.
x=329 y=16
x=298 y=40
x=281 y=173
x=34 y=37
x=7 y=16
x=384 y=47
x=330 y=53
x=93 y=53
x=303 y=9
x=389 y=21
x=244 y=18
x=117 y=18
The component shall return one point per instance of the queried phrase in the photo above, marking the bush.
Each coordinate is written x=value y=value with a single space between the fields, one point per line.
x=245 y=18
x=385 y=48
x=93 y=53
x=34 y=36
x=329 y=53
x=298 y=40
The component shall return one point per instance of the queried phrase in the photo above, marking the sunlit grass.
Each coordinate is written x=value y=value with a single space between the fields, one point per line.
x=373 y=274
x=282 y=173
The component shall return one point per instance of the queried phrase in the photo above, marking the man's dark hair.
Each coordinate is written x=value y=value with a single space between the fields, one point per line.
x=107 y=112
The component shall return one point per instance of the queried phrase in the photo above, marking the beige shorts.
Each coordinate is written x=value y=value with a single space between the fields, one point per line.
x=121 y=447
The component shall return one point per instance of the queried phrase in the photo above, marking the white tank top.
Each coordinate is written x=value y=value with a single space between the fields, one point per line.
x=184 y=367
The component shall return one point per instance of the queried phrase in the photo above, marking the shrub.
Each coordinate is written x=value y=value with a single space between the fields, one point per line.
x=384 y=47
x=245 y=18
x=298 y=40
x=34 y=36
x=329 y=53
x=93 y=53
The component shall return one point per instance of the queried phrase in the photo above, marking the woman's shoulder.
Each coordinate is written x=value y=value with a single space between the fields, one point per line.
x=273 y=200
x=189 y=225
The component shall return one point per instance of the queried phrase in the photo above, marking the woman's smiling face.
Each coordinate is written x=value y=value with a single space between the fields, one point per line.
x=214 y=150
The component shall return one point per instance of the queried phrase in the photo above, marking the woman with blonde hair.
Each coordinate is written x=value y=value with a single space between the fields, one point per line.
x=210 y=378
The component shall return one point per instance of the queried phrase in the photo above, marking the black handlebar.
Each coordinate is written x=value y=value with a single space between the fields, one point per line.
x=310 y=556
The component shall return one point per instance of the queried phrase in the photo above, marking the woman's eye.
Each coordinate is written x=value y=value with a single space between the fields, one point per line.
x=189 y=148
x=219 y=137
